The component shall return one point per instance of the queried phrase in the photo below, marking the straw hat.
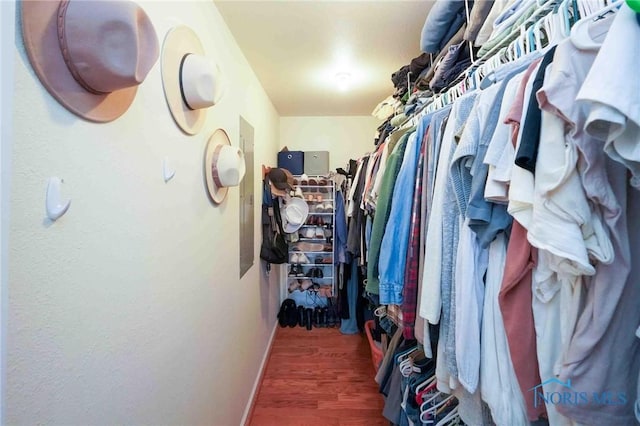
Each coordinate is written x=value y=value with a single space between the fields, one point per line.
x=192 y=82
x=90 y=55
x=224 y=166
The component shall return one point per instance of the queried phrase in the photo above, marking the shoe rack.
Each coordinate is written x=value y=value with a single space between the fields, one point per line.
x=310 y=272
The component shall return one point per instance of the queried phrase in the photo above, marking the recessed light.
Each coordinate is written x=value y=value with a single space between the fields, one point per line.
x=343 y=79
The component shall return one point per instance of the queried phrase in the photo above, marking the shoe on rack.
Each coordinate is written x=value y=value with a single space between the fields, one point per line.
x=292 y=316
x=309 y=232
x=325 y=291
x=333 y=319
x=287 y=306
x=305 y=246
x=302 y=258
x=305 y=283
x=323 y=183
x=323 y=317
x=304 y=179
x=313 y=183
x=327 y=207
x=294 y=285
x=300 y=271
x=302 y=318
x=317 y=273
x=294 y=258
x=308 y=318
x=317 y=317
x=319 y=232
x=293 y=270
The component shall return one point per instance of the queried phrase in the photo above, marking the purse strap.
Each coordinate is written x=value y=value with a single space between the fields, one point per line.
x=273 y=207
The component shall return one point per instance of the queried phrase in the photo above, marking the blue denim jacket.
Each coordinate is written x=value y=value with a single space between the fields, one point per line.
x=393 y=251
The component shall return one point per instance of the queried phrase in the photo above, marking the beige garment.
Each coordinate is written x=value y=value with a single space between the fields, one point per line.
x=478 y=16
x=388 y=355
x=487 y=28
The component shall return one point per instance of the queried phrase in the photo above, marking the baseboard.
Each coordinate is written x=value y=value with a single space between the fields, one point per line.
x=248 y=411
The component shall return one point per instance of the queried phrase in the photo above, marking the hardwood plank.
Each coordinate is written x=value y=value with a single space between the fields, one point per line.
x=318 y=377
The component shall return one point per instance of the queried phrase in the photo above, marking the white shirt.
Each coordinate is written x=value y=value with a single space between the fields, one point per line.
x=499 y=385
x=611 y=90
x=500 y=152
x=469 y=284
x=521 y=187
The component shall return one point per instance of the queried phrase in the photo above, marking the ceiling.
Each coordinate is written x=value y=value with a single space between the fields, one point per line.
x=297 y=47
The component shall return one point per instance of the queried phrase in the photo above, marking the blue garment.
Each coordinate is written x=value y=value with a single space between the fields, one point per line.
x=383 y=208
x=488 y=219
x=340 y=230
x=350 y=325
x=368 y=226
x=449 y=61
x=438 y=124
x=450 y=237
x=393 y=251
x=443 y=21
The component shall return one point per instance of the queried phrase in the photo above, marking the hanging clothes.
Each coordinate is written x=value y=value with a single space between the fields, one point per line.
x=383 y=208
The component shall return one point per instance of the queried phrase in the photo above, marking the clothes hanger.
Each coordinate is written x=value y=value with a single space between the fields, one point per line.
x=432 y=410
x=380 y=311
x=442 y=404
x=522 y=43
x=424 y=406
x=589 y=7
x=403 y=355
x=429 y=381
x=426 y=392
x=581 y=28
x=553 y=23
x=408 y=367
x=566 y=17
x=448 y=419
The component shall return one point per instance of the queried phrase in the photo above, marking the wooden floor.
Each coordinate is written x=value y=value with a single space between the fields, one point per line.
x=318 y=377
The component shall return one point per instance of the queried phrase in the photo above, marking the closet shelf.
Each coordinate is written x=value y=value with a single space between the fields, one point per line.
x=293 y=277
x=318 y=246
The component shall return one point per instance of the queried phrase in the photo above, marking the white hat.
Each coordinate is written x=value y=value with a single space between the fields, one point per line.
x=192 y=82
x=224 y=166
x=294 y=213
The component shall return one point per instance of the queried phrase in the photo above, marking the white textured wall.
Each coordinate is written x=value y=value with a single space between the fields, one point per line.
x=7 y=23
x=129 y=309
x=345 y=137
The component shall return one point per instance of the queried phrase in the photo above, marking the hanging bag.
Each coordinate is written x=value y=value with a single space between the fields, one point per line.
x=274 y=248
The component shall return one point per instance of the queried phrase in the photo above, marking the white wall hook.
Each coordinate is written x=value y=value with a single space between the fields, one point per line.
x=55 y=206
x=167 y=173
